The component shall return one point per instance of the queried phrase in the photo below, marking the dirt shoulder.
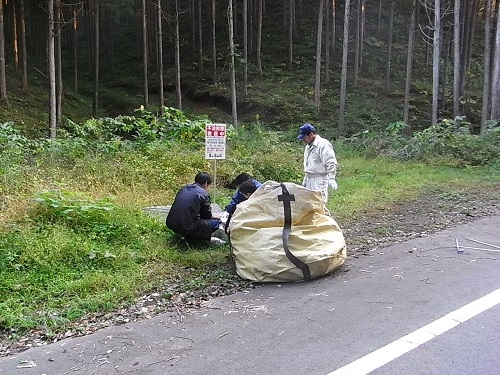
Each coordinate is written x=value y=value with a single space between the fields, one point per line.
x=428 y=213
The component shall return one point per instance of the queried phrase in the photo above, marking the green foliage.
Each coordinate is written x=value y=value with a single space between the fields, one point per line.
x=143 y=127
x=14 y=152
x=450 y=140
x=13 y=146
x=73 y=209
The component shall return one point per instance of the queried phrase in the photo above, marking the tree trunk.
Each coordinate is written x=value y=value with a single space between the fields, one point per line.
x=317 y=85
x=52 y=72
x=259 y=37
x=343 y=77
x=214 y=46
x=409 y=62
x=74 y=34
x=177 y=58
x=436 y=57
x=160 y=58
x=192 y=20
x=200 y=42
x=290 y=35
x=333 y=26
x=389 y=48
x=362 y=32
x=230 y=21
x=446 y=58
x=327 y=41
x=245 y=49
x=24 y=56
x=145 y=54
x=58 y=62
x=485 y=110
x=495 y=83
x=456 y=59
x=3 y=77
x=95 y=103
x=357 y=48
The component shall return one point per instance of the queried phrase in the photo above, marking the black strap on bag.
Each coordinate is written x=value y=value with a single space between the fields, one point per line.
x=286 y=198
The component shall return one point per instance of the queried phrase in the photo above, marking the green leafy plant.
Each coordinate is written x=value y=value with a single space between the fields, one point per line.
x=74 y=209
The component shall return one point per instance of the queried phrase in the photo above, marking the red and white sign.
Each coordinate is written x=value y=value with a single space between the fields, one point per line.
x=215 y=141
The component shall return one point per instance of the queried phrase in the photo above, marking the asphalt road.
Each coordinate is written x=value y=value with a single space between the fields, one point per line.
x=417 y=307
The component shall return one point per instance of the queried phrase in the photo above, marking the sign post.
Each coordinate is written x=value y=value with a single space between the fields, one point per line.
x=215 y=145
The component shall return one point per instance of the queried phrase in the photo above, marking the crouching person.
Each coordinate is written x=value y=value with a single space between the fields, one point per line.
x=191 y=213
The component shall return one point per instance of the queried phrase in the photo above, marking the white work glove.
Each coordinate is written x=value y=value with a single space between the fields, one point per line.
x=224 y=217
x=333 y=184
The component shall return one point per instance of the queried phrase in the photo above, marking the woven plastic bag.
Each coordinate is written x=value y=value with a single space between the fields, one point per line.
x=281 y=233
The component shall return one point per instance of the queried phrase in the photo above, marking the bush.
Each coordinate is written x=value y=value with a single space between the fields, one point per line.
x=450 y=140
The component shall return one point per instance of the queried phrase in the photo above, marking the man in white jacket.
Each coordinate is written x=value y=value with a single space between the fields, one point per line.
x=320 y=163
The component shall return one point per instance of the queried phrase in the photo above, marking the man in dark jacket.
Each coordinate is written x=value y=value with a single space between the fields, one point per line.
x=191 y=213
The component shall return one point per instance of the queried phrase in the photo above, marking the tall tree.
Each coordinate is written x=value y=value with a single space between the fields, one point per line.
x=343 y=76
x=52 y=72
x=389 y=47
x=290 y=33
x=468 y=19
x=485 y=111
x=327 y=41
x=259 y=37
x=357 y=48
x=144 y=53
x=95 y=102
x=245 y=48
x=456 y=58
x=214 y=45
x=317 y=85
x=333 y=26
x=230 y=21
x=495 y=92
x=436 y=58
x=159 y=40
x=409 y=61
x=200 y=42
x=58 y=57
x=177 y=57
x=446 y=60
x=74 y=42
x=24 y=57
x=3 y=78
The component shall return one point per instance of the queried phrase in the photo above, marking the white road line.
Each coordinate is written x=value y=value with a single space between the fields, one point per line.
x=395 y=349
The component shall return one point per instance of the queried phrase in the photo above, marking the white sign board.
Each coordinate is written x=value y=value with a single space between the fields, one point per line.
x=215 y=141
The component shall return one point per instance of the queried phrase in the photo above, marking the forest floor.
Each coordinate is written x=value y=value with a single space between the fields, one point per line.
x=421 y=216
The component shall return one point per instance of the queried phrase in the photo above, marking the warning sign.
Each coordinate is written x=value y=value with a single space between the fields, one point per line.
x=215 y=141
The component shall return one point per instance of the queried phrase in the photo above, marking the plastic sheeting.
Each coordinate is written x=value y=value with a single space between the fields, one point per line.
x=268 y=247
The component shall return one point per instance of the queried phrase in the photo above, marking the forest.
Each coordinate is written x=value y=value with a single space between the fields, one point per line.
x=348 y=65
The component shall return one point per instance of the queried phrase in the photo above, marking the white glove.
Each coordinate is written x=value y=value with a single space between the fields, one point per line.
x=224 y=217
x=333 y=184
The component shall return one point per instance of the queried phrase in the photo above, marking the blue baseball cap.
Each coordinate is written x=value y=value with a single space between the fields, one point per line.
x=305 y=130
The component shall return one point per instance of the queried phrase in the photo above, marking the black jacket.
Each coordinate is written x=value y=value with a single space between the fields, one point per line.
x=190 y=213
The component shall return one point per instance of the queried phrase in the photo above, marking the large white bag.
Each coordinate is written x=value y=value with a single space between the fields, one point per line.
x=281 y=233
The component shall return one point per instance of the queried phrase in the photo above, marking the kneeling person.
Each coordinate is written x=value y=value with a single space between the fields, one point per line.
x=191 y=213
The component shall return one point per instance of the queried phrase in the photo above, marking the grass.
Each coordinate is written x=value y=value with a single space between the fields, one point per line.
x=74 y=240
x=373 y=184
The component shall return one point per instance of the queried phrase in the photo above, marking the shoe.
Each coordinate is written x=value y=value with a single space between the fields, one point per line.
x=217 y=241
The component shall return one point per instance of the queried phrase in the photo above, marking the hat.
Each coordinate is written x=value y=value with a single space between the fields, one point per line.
x=305 y=130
